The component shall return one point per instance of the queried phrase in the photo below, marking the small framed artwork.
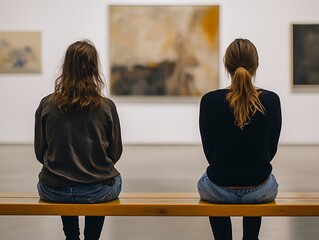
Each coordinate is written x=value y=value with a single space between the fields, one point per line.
x=163 y=51
x=20 y=52
x=305 y=56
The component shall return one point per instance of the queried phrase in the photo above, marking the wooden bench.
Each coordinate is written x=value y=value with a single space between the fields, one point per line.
x=161 y=204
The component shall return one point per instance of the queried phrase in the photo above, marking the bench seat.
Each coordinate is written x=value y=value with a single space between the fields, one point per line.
x=161 y=204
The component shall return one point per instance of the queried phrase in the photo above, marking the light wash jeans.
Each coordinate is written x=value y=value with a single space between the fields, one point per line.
x=86 y=193
x=263 y=193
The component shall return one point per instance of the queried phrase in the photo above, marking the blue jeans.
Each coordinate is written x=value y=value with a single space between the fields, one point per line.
x=221 y=226
x=262 y=193
x=84 y=193
x=92 y=193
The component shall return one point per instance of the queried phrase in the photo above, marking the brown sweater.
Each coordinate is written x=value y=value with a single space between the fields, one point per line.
x=77 y=147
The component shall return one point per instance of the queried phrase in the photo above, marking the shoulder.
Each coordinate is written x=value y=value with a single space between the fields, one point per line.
x=270 y=101
x=269 y=96
x=109 y=106
x=214 y=98
x=108 y=103
x=215 y=95
x=213 y=102
x=45 y=101
x=43 y=105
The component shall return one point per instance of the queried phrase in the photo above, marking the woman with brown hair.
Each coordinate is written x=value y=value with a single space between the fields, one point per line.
x=240 y=128
x=78 y=140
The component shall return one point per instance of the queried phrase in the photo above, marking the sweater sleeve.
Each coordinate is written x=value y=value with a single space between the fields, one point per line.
x=274 y=138
x=39 y=134
x=205 y=124
x=115 y=148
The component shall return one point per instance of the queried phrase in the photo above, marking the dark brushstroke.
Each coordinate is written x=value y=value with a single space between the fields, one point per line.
x=151 y=80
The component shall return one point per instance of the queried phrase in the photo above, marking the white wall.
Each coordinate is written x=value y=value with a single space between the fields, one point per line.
x=266 y=22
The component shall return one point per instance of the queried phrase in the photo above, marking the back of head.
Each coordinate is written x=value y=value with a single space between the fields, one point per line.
x=241 y=62
x=79 y=86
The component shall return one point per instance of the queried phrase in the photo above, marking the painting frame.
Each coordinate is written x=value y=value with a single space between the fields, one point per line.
x=156 y=69
x=305 y=52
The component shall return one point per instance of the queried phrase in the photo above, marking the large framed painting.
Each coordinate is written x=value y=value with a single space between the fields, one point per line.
x=305 y=56
x=163 y=50
x=20 y=52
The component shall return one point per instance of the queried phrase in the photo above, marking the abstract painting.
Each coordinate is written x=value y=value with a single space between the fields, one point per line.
x=163 y=50
x=305 y=55
x=20 y=52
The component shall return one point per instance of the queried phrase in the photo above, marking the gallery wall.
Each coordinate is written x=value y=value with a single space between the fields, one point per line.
x=267 y=23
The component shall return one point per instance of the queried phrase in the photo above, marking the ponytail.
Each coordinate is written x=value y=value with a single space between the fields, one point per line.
x=243 y=98
x=241 y=62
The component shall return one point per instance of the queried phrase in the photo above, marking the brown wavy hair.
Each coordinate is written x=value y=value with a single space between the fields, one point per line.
x=80 y=84
x=241 y=62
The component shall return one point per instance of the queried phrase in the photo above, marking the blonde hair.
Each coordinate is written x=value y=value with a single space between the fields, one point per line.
x=241 y=62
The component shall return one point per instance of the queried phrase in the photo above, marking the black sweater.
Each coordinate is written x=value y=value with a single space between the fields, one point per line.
x=77 y=147
x=239 y=157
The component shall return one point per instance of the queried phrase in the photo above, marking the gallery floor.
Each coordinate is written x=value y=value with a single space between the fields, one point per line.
x=161 y=168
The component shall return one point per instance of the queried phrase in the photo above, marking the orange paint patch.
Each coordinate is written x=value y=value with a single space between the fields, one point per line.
x=210 y=26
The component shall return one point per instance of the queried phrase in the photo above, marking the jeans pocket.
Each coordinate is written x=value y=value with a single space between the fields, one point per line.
x=209 y=197
x=269 y=195
x=104 y=195
x=107 y=193
x=46 y=194
x=208 y=192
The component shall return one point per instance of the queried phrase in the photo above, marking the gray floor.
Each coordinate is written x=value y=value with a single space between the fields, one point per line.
x=161 y=168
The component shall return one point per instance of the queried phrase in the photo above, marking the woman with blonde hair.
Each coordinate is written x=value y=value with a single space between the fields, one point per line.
x=78 y=140
x=240 y=128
